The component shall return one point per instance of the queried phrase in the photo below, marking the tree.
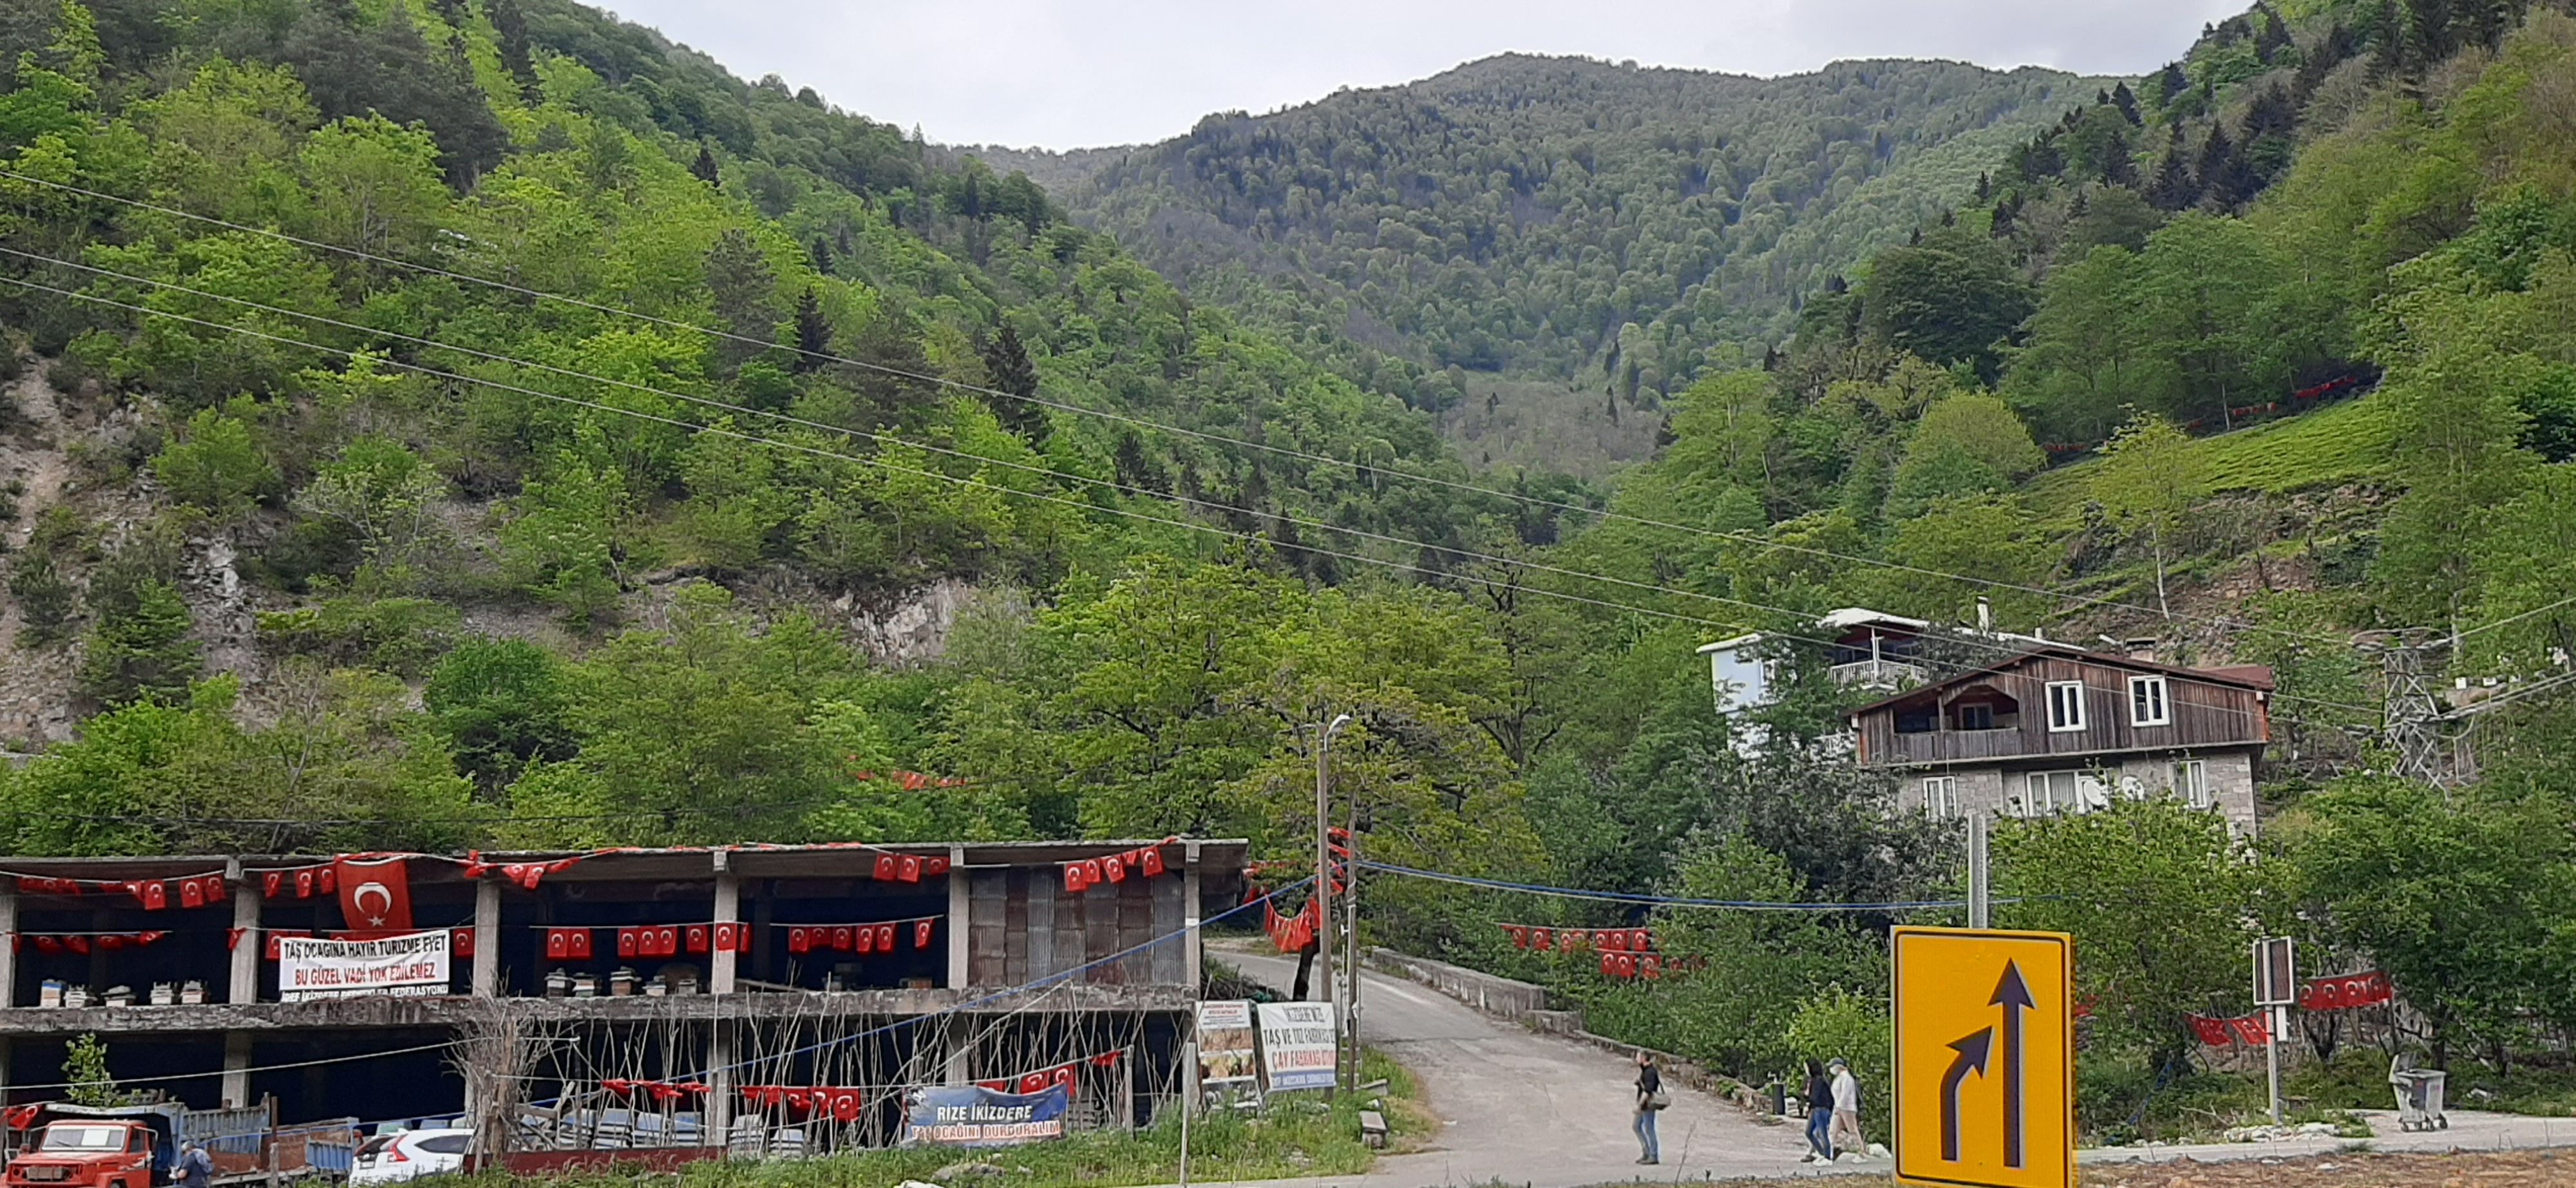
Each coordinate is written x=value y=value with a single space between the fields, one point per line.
x=704 y=167
x=813 y=333
x=2160 y=899
x=216 y=466
x=1952 y=299
x=503 y=704
x=1995 y=539
x=1016 y=377
x=2090 y=350
x=2150 y=476
x=1968 y=443
x=388 y=497
x=85 y=1072
x=2456 y=896
x=746 y=298
x=141 y=652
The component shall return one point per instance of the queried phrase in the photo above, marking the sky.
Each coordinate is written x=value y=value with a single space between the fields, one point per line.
x=1060 y=74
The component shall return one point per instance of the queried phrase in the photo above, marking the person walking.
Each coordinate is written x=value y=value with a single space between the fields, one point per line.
x=1650 y=1098
x=1845 y=1134
x=1820 y=1115
x=196 y=1168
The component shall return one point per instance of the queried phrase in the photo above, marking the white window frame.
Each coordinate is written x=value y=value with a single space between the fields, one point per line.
x=2039 y=795
x=1941 y=797
x=2158 y=698
x=2191 y=782
x=2074 y=702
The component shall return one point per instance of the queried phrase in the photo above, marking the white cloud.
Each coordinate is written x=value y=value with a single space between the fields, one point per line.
x=1066 y=74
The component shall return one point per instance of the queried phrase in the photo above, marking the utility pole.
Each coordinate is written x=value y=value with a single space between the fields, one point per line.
x=1980 y=885
x=1324 y=868
x=1358 y=962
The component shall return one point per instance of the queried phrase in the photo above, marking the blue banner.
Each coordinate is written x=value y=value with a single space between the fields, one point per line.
x=973 y=1116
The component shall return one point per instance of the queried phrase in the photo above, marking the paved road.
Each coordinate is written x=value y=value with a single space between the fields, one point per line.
x=1528 y=1109
x=1531 y=1109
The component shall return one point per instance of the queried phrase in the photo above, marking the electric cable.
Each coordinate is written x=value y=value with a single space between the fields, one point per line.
x=1136 y=422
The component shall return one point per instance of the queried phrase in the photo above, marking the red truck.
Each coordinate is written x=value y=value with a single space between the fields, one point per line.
x=137 y=1146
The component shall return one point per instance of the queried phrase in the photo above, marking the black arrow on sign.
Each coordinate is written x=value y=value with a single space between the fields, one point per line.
x=2012 y=994
x=1972 y=1058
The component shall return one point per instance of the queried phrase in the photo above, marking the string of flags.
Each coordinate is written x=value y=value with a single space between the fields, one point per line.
x=841 y=1105
x=657 y=1090
x=152 y=894
x=1291 y=933
x=1572 y=940
x=2346 y=992
x=2250 y=1030
x=876 y=937
x=1083 y=874
x=82 y=942
x=651 y=940
x=1067 y=1074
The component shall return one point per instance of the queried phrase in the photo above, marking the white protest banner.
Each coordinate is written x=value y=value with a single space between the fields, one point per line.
x=1298 y=1048
x=1225 y=1042
x=311 y=968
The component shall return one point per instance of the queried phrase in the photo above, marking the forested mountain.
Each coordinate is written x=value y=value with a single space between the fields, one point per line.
x=1566 y=235
x=482 y=422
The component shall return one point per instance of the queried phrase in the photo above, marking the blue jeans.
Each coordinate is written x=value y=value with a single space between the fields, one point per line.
x=1820 y=1132
x=1645 y=1129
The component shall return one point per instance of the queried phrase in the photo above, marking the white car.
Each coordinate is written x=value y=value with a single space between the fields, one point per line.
x=409 y=1155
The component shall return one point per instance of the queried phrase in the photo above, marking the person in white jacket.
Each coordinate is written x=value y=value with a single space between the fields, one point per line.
x=1846 y=1135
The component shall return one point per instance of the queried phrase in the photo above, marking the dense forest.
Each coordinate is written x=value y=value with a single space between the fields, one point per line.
x=485 y=423
x=1578 y=238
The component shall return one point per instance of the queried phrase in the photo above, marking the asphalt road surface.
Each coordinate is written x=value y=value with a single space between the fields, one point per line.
x=1531 y=1109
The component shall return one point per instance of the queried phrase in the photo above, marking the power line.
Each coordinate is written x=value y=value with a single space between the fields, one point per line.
x=1419 y=546
x=596 y=406
x=2567 y=601
x=1283 y=451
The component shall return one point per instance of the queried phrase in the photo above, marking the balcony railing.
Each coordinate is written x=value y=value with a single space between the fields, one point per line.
x=1879 y=674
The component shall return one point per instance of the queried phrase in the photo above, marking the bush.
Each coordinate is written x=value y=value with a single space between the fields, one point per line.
x=1854 y=1027
x=399 y=635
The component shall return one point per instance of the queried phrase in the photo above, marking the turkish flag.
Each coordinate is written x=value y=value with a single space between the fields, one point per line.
x=375 y=895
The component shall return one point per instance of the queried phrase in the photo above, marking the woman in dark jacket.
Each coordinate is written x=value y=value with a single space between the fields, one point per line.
x=1650 y=1088
x=1820 y=1113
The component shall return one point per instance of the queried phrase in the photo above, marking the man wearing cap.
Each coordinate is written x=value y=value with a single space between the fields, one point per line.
x=196 y=1168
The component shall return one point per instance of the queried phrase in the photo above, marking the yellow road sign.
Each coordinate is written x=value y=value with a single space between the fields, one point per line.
x=1985 y=1058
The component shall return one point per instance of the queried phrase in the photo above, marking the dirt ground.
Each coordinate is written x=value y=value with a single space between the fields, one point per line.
x=2511 y=1169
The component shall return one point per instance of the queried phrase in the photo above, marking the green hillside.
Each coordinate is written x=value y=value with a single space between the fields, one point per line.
x=1611 y=230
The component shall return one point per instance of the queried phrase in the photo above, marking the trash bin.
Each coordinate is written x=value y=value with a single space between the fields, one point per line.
x=2419 y=1098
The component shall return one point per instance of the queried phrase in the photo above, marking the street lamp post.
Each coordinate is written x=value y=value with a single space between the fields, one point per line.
x=1324 y=866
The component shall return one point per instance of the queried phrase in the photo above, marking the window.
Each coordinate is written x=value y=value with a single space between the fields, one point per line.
x=447 y=1144
x=1941 y=797
x=2191 y=782
x=2147 y=703
x=2065 y=705
x=1976 y=717
x=2064 y=792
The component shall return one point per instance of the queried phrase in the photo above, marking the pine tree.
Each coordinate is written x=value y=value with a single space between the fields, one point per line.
x=2226 y=179
x=2174 y=188
x=2127 y=101
x=512 y=27
x=813 y=333
x=745 y=290
x=820 y=253
x=142 y=653
x=2169 y=83
x=705 y=167
x=1015 y=376
x=1985 y=188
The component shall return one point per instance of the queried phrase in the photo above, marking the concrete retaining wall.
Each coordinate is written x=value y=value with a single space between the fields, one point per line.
x=1502 y=998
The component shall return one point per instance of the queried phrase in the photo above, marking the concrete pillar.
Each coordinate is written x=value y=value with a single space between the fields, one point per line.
x=956 y=1037
x=722 y=963
x=236 y=1069
x=487 y=938
x=249 y=948
x=718 y=1115
x=1190 y=958
x=960 y=944
x=9 y=948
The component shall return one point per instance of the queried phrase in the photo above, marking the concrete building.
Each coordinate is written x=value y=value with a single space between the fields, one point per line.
x=657 y=987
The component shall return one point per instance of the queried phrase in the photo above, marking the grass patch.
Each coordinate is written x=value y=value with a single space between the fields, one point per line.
x=1297 y=1135
x=2358 y=1079
x=2342 y=443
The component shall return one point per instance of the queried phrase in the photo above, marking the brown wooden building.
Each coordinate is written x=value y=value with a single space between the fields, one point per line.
x=2063 y=729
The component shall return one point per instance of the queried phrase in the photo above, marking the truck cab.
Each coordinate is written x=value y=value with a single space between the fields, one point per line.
x=93 y=1153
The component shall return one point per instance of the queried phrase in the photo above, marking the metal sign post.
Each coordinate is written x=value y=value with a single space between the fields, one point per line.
x=2275 y=988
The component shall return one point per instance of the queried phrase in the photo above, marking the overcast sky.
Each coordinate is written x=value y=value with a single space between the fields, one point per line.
x=1062 y=74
